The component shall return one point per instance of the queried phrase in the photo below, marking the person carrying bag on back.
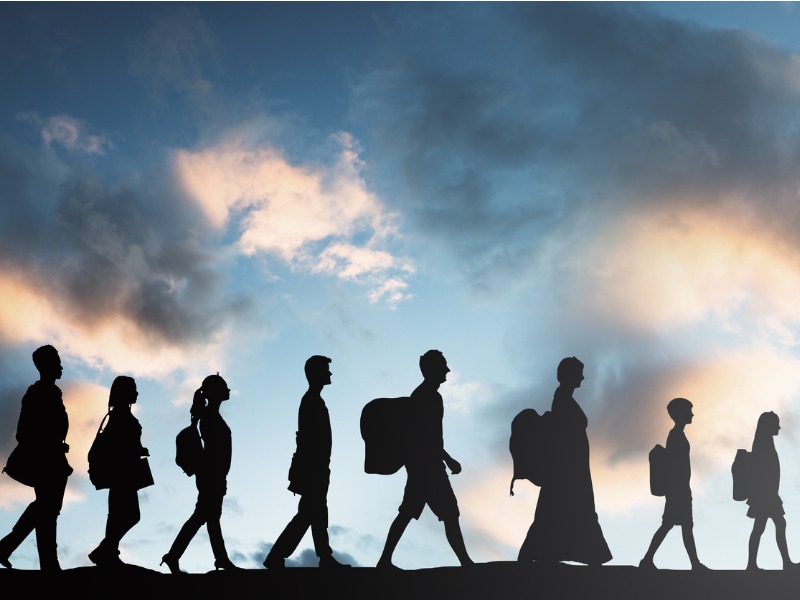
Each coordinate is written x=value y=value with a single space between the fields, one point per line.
x=123 y=453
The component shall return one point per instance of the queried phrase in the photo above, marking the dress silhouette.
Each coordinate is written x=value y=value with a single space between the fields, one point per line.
x=427 y=481
x=41 y=433
x=124 y=448
x=565 y=525
x=211 y=477
x=763 y=501
x=309 y=474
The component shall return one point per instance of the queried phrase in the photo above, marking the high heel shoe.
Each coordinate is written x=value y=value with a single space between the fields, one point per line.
x=226 y=564
x=172 y=564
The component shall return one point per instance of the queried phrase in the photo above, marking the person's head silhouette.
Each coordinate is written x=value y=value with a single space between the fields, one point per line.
x=570 y=372
x=47 y=362
x=768 y=424
x=433 y=366
x=318 y=371
x=680 y=411
x=214 y=388
x=123 y=392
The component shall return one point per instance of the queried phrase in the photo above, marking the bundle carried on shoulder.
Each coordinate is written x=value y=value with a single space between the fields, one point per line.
x=189 y=449
x=530 y=445
x=385 y=429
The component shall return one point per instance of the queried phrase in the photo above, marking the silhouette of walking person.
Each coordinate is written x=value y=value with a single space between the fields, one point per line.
x=309 y=474
x=124 y=449
x=565 y=526
x=41 y=433
x=211 y=476
x=427 y=480
x=678 y=497
x=763 y=500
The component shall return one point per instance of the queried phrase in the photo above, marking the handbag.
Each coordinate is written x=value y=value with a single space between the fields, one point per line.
x=20 y=466
x=143 y=477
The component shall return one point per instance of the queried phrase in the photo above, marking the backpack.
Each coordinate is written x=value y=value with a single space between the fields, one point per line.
x=530 y=446
x=189 y=449
x=101 y=466
x=741 y=471
x=659 y=470
x=385 y=431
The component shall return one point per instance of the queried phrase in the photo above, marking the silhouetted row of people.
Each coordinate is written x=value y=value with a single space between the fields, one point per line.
x=565 y=525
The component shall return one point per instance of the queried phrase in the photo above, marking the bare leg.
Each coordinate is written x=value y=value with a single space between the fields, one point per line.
x=396 y=530
x=452 y=530
x=691 y=550
x=780 y=537
x=658 y=537
x=759 y=524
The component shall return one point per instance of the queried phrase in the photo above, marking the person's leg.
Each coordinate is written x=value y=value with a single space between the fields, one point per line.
x=123 y=514
x=396 y=530
x=658 y=537
x=688 y=542
x=22 y=529
x=188 y=530
x=315 y=506
x=759 y=524
x=780 y=537
x=49 y=499
x=452 y=530
x=290 y=537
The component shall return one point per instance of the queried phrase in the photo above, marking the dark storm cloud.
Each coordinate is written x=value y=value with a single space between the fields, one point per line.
x=102 y=251
x=502 y=124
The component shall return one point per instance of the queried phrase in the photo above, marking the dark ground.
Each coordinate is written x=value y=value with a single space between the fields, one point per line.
x=493 y=581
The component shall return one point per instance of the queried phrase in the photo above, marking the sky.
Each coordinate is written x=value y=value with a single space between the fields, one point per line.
x=193 y=188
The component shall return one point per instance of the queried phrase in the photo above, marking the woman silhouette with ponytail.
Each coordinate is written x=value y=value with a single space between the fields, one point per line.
x=124 y=435
x=211 y=477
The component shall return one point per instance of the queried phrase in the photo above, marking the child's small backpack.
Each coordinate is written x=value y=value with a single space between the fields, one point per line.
x=741 y=471
x=189 y=449
x=659 y=470
x=530 y=446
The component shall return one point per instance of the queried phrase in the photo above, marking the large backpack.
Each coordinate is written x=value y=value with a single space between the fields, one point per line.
x=741 y=471
x=385 y=431
x=189 y=449
x=659 y=470
x=530 y=445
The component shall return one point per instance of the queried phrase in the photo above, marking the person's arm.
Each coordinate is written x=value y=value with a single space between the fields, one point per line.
x=452 y=463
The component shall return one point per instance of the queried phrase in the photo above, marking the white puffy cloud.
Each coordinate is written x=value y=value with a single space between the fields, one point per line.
x=313 y=217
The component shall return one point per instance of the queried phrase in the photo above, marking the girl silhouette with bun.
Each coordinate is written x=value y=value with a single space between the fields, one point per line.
x=211 y=477
x=124 y=435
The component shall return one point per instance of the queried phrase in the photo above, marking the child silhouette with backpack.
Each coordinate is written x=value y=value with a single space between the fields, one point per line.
x=763 y=498
x=678 y=496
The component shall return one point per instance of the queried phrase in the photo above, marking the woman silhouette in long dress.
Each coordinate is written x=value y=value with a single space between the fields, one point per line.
x=565 y=526
x=124 y=435
x=211 y=477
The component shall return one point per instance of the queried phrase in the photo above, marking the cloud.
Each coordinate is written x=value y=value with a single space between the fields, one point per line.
x=114 y=274
x=319 y=218
x=69 y=132
x=178 y=54
x=612 y=113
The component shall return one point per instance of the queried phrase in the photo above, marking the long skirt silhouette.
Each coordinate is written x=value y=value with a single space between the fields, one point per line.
x=565 y=525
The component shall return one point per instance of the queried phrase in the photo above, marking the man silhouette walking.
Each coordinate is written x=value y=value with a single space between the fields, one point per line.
x=309 y=474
